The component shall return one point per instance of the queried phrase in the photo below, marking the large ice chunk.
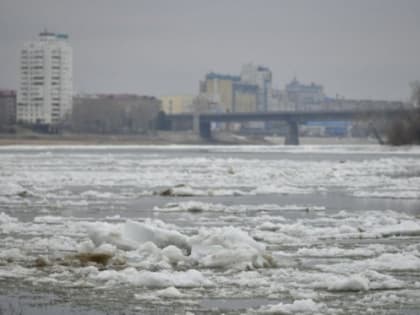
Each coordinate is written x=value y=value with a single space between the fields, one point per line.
x=352 y=283
x=307 y=306
x=131 y=234
x=228 y=247
x=164 y=279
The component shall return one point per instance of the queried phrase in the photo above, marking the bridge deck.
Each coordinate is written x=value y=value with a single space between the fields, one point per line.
x=299 y=116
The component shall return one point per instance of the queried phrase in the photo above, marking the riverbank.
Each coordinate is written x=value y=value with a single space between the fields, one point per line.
x=31 y=138
x=165 y=138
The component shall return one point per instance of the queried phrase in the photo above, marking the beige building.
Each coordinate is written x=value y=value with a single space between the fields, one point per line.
x=230 y=93
x=244 y=97
x=219 y=89
x=175 y=104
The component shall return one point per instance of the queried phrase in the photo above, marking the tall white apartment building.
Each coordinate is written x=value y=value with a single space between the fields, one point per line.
x=46 y=80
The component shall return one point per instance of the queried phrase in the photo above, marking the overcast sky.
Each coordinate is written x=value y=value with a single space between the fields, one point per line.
x=356 y=48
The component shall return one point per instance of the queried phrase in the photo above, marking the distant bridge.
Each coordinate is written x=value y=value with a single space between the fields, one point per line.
x=292 y=118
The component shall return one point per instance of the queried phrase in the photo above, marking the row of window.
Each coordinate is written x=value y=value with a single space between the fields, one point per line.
x=33 y=53
x=37 y=102
x=26 y=76
x=35 y=108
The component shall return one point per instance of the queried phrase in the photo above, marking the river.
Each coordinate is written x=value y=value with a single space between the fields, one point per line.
x=330 y=229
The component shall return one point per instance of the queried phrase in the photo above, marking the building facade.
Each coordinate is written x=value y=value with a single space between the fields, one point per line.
x=219 y=89
x=280 y=102
x=7 y=108
x=244 y=97
x=115 y=113
x=176 y=104
x=230 y=92
x=305 y=97
x=262 y=78
x=46 y=80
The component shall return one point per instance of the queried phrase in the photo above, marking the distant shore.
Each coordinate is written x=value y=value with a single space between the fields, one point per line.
x=95 y=139
x=166 y=138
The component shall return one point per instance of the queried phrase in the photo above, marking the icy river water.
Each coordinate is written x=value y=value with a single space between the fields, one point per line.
x=209 y=230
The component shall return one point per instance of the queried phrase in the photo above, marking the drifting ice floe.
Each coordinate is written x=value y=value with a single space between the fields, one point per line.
x=328 y=261
x=163 y=279
x=11 y=189
x=4 y=218
x=297 y=307
x=228 y=247
x=131 y=234
x=171 y=293
x=352 y=283
x=149 y=245
x=198 y=206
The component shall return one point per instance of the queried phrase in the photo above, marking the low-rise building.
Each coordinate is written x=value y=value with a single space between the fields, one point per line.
x=115 y=113
x=7 y=108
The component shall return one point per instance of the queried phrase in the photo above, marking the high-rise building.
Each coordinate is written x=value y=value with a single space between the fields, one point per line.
x=175 y=104
x=219 y=89
x=262 y=78
x=244 y=97
x=230 y=93
x=46 y=80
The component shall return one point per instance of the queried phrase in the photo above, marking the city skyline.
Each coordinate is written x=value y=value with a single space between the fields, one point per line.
x=357 y=50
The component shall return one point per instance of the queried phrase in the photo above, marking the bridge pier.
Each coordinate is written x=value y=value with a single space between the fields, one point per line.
x=205 y=129
x=292 y=137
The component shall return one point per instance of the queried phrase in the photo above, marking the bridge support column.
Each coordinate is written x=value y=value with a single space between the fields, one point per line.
x=205 y=129
x=292 y=137
x=196 y=123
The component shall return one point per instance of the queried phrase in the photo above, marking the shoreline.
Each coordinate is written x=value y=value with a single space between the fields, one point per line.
x=178 y=138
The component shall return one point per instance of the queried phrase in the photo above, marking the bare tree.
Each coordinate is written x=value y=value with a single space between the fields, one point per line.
x=415 y=95
x=405 y=129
